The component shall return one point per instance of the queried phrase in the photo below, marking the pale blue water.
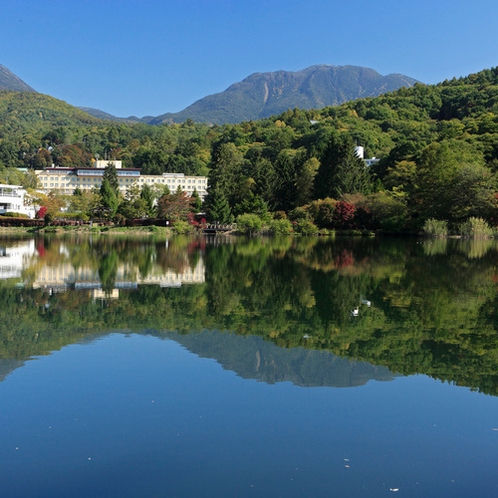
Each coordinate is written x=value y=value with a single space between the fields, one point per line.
x=136 y=415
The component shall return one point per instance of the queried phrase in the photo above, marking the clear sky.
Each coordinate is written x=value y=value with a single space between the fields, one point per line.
x=148 y=57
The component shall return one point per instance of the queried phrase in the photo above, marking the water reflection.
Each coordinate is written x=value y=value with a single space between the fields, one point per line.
x=411 y=306
x=254 y=358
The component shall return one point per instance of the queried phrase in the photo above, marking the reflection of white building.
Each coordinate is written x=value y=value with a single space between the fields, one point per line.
x=62 y=276
x=172 y=279
x=14 y=258
x=15 y=199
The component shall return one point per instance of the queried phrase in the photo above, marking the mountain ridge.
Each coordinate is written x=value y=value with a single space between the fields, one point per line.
x=262 y=94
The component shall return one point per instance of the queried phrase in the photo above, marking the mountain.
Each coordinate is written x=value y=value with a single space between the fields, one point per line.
x=9 y=81
x=251 y=357
x=28 y=110
x=97 y=113
x=261 y=95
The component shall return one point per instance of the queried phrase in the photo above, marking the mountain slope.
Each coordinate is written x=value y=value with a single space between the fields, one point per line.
x=97 y=113
x=261 y=95
x=21 y=111
x=9 y=81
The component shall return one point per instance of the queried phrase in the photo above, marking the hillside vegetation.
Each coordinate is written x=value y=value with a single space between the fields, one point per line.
x=437 y=145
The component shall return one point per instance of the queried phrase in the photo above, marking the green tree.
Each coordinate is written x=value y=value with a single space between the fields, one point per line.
x=225 y=175
x=83 y=202
x=30 y=180
x=252 y=204
x=174 y=207
x=196 y=202
x=305 y=183
x=249 y=223
x=286 y=192
x=453 y=183
x=108 y=199
x=217 y=207
x=133 y=205
x=342 y=171
x=147 y=196
x=111 y=175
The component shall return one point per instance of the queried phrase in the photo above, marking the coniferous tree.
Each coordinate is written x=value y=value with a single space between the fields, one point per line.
x=108 y=199
x=217 y=208
x=196 y=202
x=111 y=175
x=147 y=196
x=225 y=174
x=342 y=171
x=286 y=174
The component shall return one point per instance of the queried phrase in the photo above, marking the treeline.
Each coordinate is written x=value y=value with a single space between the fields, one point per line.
x=436 y=145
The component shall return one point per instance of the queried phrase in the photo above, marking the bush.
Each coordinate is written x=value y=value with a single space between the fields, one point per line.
x=386 y=212
x=322 y=212
x=279 y=215
x=182 y=227
x=11 y=214
x=475 y=228
x=298 y=213
x=280 y=226
x=48 y=219
x=305 y=227
x=435 y=228
x=249 y=223
x=77 y=216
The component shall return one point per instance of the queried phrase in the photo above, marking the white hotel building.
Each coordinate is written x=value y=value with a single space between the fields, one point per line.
x=66 y=180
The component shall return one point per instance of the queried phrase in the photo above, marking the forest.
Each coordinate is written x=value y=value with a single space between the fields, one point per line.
x=437 y=147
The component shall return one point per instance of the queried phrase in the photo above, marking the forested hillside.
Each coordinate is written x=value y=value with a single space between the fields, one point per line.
x=437 y=145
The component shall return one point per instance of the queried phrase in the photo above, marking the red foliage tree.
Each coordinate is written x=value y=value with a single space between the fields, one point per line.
x=41 y=212
x=344 y=215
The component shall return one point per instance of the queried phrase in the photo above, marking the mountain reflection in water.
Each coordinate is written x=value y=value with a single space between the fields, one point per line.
x=254 y=358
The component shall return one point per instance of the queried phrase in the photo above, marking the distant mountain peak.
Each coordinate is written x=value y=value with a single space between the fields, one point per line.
x=262 y=95
x=9 y=81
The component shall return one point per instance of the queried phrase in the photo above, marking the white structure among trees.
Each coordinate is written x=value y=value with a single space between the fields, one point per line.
x=15 y=199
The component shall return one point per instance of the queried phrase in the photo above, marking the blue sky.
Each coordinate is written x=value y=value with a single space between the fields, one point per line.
x=149 y=57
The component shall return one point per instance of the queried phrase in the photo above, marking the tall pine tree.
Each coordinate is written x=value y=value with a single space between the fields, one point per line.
x=342 y=171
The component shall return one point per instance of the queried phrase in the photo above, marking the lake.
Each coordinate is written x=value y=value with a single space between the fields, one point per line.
x=248 y=367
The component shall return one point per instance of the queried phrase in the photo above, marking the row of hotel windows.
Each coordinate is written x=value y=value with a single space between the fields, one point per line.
x=148 y=180
x=98 y=181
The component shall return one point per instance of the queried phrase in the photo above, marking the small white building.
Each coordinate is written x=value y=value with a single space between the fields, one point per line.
x=360 y=152
x=15 y=199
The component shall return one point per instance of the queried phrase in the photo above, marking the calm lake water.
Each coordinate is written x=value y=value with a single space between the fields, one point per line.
x=261 y=367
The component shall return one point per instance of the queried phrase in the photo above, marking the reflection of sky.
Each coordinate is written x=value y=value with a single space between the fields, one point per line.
x=137 y=416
